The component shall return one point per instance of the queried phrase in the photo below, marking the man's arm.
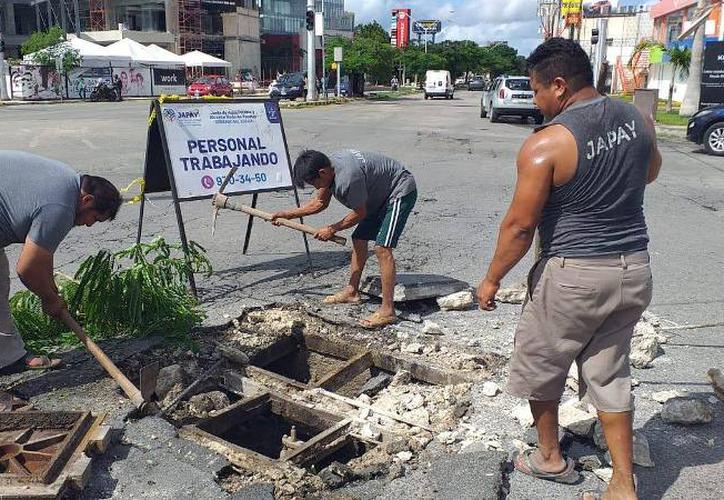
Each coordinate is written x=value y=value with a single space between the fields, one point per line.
x=35 y=269
x=350 y=220
x=535 y=178
x=655 y=164
x=313 y=206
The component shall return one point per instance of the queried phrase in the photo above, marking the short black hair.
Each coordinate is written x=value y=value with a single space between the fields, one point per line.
x=559 y=57
x=307 y=167
x=106 y=197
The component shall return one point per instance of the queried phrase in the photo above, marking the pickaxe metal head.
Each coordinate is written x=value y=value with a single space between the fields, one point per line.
x=221 y=191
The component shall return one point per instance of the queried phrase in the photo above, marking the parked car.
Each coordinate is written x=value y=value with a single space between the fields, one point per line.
x=245 y=83
x=288 y=86
x=707 y=127
x=477 y=83
x=509 y=96
x=438 y=84
x=459 y=82
x=216 y=85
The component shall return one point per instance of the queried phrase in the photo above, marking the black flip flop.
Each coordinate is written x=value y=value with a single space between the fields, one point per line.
x=523 y=463
x=21 y=365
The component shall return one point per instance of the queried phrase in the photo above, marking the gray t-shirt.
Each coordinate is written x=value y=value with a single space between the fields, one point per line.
x=369 y=179
x=38 y=198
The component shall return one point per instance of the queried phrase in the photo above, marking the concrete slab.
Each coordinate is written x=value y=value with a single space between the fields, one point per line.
x=473 y=476
x=415 y=286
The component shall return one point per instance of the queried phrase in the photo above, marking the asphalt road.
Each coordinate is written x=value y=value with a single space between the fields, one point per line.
x=465 y=169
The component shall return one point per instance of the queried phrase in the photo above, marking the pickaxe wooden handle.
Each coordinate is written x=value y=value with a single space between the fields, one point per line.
x=221 y=191
x=223 y=201
x=131 y=390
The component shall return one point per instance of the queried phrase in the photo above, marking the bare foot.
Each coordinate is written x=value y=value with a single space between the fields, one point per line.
x=619 y=492
x=378 y=320
x=346 y=296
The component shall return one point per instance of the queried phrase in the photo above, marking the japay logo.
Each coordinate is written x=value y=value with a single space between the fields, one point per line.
x=182 y=116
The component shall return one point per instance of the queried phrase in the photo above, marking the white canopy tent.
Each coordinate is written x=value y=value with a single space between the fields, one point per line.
x=198 y=59
x=92 y=54
x=140 y=54
x=162 y=53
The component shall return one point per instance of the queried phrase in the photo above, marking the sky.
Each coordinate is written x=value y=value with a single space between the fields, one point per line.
x=480 y=20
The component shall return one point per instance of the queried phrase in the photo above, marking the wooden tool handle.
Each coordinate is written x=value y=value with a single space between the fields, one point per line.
x=131 y=390
x=224 y=202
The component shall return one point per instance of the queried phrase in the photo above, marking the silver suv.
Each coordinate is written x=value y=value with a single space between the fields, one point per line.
x=509 y=96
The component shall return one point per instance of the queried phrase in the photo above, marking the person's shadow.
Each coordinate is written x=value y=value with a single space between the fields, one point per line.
x=678 y=447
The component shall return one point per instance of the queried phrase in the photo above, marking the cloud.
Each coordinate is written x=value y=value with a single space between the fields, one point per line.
x=515 y=21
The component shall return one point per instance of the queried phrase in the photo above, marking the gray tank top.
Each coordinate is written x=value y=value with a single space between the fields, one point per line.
x=600 y=210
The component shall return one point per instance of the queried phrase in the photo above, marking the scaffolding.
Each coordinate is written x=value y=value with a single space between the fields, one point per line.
x=97 y=15
x=189 y=25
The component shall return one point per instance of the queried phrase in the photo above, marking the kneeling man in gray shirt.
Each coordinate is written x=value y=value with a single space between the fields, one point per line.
x=380 y=193
x=40 y=202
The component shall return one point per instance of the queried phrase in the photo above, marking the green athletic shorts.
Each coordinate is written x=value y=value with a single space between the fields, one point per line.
x=386 y=225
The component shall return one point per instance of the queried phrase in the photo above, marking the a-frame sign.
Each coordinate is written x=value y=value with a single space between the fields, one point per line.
x=193 y=144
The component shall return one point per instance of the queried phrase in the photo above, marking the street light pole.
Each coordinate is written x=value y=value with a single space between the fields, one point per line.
x=311 y=59
x=3 y=87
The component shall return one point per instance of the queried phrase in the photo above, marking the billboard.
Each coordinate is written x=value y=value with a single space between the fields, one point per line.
x=571 y=10
x=427 y=27
x=712 y=77
x=400 y=27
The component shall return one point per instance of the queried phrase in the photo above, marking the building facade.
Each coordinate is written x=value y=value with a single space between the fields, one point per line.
x=262 y=34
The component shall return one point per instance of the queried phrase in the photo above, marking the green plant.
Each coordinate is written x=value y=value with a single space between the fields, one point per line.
x=134 y=292
x=680 y=59
x=50 y=47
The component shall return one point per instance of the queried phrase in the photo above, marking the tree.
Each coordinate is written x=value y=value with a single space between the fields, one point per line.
x=417 y=62
x=690 y=104
x=499 y=59
x=368 y=52
x=680 y=60
x=50 y=46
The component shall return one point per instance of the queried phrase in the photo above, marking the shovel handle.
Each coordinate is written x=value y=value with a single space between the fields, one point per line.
x=131 y=390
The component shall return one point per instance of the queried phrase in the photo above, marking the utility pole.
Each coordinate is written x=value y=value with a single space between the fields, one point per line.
x=3 y=85
x=76 y=17
x=311 y=54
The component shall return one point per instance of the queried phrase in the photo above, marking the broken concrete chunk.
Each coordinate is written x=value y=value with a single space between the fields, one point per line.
x=448 y=437
x=376 y=384
x=395 y=446
x=604 y=474
x=404 y=456
x=523 y=415
x=369 y=432
x=418 y=416
x=335 y=475
x=490 y=389
x=512 y=295
x=650 y=317
x=201 y=404
x=598 y=437
x=664 y=396
x=402 y=377
x=641 y=450
x=431 y=328
x=413 y=348
x=643 y=351
x=168 y=376
x=415 y=286
x=459 y=301
x=644 y=329
x=717 y=382
x=574 y=419
x=590 y=462
x=686 y=412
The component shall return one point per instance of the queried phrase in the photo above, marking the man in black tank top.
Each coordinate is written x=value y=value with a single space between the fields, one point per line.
x=581 y=182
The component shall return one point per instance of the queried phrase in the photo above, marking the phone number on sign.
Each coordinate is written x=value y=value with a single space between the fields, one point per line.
x=243 y=179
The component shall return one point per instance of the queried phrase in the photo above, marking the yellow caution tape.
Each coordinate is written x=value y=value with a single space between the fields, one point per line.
x=141 y=183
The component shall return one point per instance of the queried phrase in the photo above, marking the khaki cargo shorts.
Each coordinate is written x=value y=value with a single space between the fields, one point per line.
x=583 y=310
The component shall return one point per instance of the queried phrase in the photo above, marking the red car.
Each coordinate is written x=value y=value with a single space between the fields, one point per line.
x=211 y=85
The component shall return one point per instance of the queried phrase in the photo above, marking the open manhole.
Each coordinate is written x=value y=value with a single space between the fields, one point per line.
x=270 y=429
x=307 y=361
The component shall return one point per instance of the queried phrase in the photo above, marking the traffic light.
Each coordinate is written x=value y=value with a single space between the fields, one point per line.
x=594 y=36
x=310 y=20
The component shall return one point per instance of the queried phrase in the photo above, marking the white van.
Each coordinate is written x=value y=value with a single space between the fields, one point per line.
x=438 y=84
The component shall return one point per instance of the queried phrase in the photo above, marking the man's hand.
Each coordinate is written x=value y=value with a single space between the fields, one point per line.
x=276 y=216
x=486 y=294
x=325 y=234
x=55 y=307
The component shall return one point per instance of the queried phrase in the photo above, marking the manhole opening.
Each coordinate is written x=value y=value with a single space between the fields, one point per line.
x=271 y=426
x=350 y=449
x=305 y=365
